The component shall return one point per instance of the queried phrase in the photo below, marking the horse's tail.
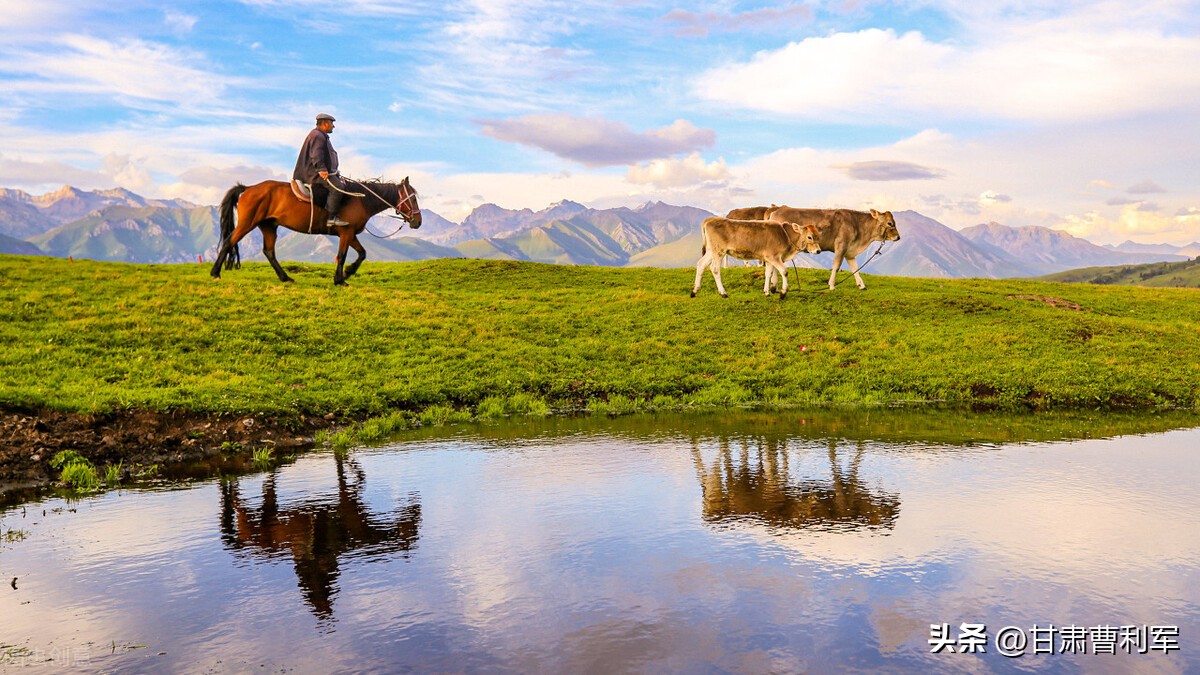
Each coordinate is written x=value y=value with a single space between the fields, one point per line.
x=228 y=207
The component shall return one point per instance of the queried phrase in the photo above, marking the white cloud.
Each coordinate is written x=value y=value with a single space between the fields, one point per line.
x=131 y=70
x=178 y=22
x=1134 y=222
x=675 y=173
x=1048 y=71
x=598 y=142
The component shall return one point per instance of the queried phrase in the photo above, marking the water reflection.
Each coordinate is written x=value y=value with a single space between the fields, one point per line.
x=757 y=483
x=317 y=531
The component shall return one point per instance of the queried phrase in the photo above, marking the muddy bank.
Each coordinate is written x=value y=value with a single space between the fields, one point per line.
x=28 y=440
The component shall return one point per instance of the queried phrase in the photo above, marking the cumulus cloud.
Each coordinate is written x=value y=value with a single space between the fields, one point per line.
x=225 y=177
x=699 y=24
x=878 y=170
x=1146 y=187
x=598 y=142
x=1135 y=222
x=1037 y=71
x=675 y=173
x=990 y=197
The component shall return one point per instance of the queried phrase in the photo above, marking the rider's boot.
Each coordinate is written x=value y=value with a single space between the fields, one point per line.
x=332 y=204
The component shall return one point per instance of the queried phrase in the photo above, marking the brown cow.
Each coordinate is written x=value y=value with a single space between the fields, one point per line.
x=773 y=243
x=751 y=212
x=847 y=233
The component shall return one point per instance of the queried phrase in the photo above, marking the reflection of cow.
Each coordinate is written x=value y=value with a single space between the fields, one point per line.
x=757 y=485
x=316 y=532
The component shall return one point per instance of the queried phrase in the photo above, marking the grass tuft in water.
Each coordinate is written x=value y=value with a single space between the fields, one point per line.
x=76 y=470
x=263 y=456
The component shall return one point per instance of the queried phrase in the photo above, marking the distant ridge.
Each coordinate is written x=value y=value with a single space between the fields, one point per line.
x=123 y=226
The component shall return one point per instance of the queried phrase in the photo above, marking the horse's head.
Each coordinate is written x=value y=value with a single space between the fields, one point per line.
x=407 y=207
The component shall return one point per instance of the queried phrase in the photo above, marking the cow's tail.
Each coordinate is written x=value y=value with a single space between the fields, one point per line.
x=228 y=211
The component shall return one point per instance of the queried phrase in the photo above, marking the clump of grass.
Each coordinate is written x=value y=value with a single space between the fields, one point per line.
x=520 y=403
x=616 y=404
x=76 y=471
x=263 y=456
x=112 y=473
x=13 y=536
x=441 y=415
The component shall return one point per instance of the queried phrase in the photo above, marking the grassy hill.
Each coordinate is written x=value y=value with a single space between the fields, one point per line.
x=134 y=233
x=1184 y=274
x=465 y=334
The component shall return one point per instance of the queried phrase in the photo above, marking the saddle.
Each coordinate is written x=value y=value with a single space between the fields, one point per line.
x=303 y=191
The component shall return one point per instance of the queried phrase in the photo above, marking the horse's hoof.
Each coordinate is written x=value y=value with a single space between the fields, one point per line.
x=288 y=280
x=724 y=295
x=693 y=294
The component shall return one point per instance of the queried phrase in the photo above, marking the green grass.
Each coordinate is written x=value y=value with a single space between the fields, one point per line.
x=1184 y=274
x=437 y=341
x=76 y=471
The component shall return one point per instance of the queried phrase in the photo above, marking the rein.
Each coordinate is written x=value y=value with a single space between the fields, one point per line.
x=878 y=252
x=400 y=202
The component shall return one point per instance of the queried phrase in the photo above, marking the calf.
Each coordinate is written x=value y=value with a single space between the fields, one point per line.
x=773 y=243
x=847 y=233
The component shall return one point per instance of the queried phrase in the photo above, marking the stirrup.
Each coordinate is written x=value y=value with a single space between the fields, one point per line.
x=335 y=221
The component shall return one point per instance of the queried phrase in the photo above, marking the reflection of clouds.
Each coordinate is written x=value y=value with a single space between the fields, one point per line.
x=578 y=552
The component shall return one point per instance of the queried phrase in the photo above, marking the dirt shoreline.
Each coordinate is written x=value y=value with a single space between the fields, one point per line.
x=28 y=440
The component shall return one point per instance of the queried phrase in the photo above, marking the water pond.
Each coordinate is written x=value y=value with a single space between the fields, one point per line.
x=752 y=542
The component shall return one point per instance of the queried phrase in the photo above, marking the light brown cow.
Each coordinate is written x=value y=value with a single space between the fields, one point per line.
x=773 y=243
x=847 y=233
x=751 y=212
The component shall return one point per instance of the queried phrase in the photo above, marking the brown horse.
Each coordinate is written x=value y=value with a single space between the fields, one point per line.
x=271 y=203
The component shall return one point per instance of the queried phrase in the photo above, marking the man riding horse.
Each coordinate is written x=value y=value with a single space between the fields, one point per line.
x=272 y=204
x=318 y=163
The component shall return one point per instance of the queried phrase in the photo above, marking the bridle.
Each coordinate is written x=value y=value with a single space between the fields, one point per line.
x=402 y=199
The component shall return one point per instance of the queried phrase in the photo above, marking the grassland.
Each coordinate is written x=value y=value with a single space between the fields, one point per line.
x=506 y=337
x=1184 y=274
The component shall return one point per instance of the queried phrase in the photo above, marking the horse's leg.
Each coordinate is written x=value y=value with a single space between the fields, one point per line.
x=270 y=231
x=362 y=255
x=243 y=228
x=345 y=234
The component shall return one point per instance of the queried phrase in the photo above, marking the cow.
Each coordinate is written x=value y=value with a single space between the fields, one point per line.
x=773 y=243
x=749 y=213
x=847 y=233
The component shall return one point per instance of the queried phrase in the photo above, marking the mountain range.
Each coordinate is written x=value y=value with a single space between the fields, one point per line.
x=122 y=226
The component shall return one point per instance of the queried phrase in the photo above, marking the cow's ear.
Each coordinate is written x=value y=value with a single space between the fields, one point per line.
x=795 y=226
x=874 y=213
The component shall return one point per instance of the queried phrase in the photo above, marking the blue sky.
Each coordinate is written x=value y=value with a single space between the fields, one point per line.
x=1081 y=115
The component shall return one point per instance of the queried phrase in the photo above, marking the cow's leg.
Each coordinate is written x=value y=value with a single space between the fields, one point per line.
x=854 y=268
x=700 y=265
x=837 y=267
x=774 y=264
x=270 y=233
x=715 y=266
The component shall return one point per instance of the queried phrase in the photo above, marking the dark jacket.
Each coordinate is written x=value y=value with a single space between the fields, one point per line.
x=316 y=155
